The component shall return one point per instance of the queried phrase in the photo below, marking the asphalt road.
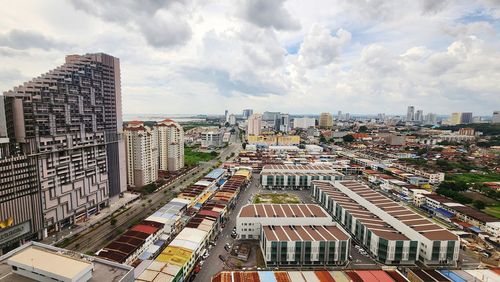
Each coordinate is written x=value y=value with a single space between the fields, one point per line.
x=213 y=264
x=97 y=237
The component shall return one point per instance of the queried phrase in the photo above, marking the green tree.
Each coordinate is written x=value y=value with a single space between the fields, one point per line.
x=322 y=139
x=363 y=128
x=479 y=205
x=348 y=138
x=113 y=221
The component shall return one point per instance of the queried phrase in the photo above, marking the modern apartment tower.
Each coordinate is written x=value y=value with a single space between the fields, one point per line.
x=254 y=124
x=141 y=148
x=247 y=113
x=410 y=113
x=170 y=145
x=68 y=122
x=325 y=120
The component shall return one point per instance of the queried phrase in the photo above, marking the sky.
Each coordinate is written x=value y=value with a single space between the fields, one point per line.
x=294 y=56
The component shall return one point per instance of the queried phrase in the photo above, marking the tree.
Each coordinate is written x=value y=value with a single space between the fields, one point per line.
x=113 y=221
x=322 y=139
x=348 y=138
x=363 y=128
x=479 y=205
x=244 y=145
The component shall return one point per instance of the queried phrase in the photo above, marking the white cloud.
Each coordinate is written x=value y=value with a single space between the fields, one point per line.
x=320 y=47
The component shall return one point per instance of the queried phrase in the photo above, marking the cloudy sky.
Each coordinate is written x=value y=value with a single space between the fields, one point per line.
x=296 y=56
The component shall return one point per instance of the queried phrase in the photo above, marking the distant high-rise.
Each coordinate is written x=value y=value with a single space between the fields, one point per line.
x=419 y=116
x=325 y=120
x=410 y=113
x=170 y=145
x=430 y=119
x=247 y=113
x=226 y=115
x=455 y=118
x=466 y=118
x=304 y=122
x=284 y=123
x=232 y=119
x=339 y=115
x=496 y=117
x=68 y=122
x=142 y=154
x=254 y=124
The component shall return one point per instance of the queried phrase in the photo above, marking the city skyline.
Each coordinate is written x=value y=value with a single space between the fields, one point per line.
x=364 y=58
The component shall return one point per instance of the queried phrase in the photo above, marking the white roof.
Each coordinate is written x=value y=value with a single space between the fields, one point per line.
x=50 y=264
x=203 y=183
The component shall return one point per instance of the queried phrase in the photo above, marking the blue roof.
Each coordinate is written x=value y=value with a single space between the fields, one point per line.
x=159 y=243
x=216 y=173
x=267 y=276
x=452 y=276
x=444 y=212
x=475 y=229
x=222 y=181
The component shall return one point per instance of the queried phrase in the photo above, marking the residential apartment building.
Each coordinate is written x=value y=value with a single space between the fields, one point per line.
x=304 y=122
x=410 y=113
x=68 y=122
x=247 y=113
x=294 y=234
x=389 y=231
x=325 y=120
x=170 y=145
x=142 y=154
x=495 y=117
x=296 y=176
x=254 y=124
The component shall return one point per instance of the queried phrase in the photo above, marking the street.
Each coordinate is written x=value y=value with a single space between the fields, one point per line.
x=213 y=264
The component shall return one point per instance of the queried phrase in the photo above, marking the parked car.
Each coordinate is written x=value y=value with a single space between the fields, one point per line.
x=221 y=257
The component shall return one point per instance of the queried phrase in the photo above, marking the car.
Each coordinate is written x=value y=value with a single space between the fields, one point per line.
x=233 y=235
x=221 y=257
x=226 y=248
x=228 y=245
x=205 y=256
x=234 y=229
x=356 y=247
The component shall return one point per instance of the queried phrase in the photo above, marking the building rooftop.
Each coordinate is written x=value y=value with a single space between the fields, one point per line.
x=52 y=261
x=304 y=233
x=282 y=210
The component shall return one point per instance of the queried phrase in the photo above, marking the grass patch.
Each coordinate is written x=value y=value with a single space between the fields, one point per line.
x=192 y=157
x=493 y=211
x=474 y=177
x=281 y=198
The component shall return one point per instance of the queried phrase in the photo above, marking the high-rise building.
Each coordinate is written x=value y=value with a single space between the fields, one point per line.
x=284 y=123
x=254 y=124
x=419 y=116
x=410 y=113
x=304 y=122
x=455 y=118
x=68 y=122
x=170 y=145
x=247 y=113
x=347 y=116
x=496 y=117
x=325 y=120
x=271 y=119
x=430 y=119
x=142 y=154
x=226 y=116
x=465 y=118
x=339 y=115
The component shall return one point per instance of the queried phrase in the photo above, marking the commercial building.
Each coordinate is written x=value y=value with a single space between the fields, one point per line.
x=325 y=120
x=212 y=138
x=170 y=145
x=284 y=123
x=232 y=119
x=254 y=124
x=390 y=232
x=460 y=118
x=294 y=234
x=295 y=177
x=39 y=262
x=446 y=275
x=269 y=140
x=430 y=119
x=142 y=154
x=68 y=122
x=304 y=122
x=247 y=113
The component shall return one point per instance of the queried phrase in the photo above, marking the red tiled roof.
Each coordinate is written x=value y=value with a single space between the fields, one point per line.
x=144 y=229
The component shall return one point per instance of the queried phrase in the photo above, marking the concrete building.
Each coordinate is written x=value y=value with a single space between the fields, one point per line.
x=69 y=122
x=232 y=119
x=465 y=118
x=39 y=262
x=170 y=136
x=142 y=154
x=226 y=116
x=496 y=117
x=304 y=122
x=254 y=124
x=430 y=119
x=247 y=113
x=392 y=233
x=212 y=138
x=410 y=113
x=294 y=234
x=395 y=140
x=419 y=116
x=296 y=176
x=325 y=120
x=284 y=123
x=271 y=118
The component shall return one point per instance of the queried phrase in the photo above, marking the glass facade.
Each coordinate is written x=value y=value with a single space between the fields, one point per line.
x=382 y=249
